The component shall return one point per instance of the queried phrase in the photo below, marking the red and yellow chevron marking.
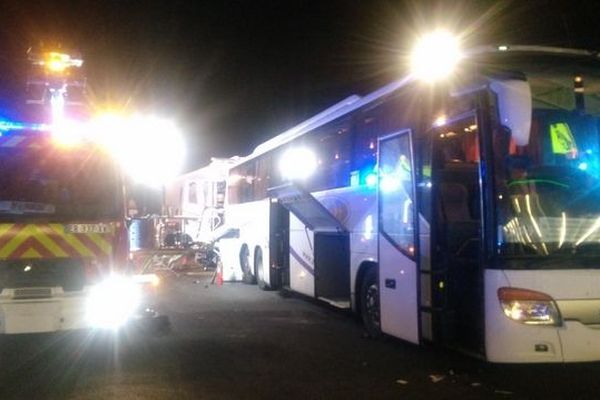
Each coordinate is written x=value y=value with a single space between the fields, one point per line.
x=51 y=241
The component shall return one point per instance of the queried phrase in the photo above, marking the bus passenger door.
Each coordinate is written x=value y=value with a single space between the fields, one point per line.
x=457 y=279
x=398 y=272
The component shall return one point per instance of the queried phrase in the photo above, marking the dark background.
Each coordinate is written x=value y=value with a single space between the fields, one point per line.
x=235 y=73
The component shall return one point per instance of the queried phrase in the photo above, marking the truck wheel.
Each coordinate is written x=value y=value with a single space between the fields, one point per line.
x=248 y=276
x=369 y=303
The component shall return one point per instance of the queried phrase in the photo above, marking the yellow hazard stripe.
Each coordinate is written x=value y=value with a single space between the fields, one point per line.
x=105 y=246
x=12 y=244
x=31 y=231
x=45 y=240
x=72 y=240
x=5 y=228
x=31 y=253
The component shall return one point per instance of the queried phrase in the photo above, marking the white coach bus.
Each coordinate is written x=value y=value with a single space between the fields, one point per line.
x=464 y=212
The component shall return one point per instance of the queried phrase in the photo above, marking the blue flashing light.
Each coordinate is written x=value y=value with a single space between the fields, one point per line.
x=368 y=176
x=583 y=166
x=6 y=125
x=11 y=126
x=371 y=179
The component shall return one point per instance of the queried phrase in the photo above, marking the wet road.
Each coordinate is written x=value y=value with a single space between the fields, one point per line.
x=237 y=342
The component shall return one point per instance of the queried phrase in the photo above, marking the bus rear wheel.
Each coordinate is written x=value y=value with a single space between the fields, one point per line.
x=247 y=275
x=260 y=271
x=369 y=303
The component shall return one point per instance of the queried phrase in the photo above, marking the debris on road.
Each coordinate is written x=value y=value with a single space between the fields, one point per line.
x=437 y=378
x=401 y=382
x=504 y=392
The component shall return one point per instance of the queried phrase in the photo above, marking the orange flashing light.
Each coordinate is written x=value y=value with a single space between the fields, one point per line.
x=58 y=63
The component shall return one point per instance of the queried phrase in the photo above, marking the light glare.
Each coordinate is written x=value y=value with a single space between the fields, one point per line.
x=149 y=149
x=58 y=63
x=298 y=163
x=371 y=180
x=389 y=184
x=112 y=302
x=435 y=56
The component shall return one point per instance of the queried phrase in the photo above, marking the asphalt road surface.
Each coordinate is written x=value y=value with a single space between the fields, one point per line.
x=237 y=342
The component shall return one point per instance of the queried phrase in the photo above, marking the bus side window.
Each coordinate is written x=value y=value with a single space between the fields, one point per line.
x=331 y=144
x=364 y=146
x=396 y=191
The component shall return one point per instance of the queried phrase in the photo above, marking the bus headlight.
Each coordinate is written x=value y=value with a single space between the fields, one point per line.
x=112 y=302
x=529 y=307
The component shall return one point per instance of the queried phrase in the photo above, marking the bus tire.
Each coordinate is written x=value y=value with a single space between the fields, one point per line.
x=247 y=275
x=259 y=270
x=369 y=303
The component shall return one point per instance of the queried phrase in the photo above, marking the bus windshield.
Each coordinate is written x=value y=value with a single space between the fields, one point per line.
x=56 y=184
x=548 y=191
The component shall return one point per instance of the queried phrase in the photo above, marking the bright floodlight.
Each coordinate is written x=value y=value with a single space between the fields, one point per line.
x=435 y=56
x=150 y=149
x=112 y=302
x=298 y=163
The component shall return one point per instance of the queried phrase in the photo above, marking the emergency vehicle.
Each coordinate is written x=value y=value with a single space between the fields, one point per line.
x=63 y=232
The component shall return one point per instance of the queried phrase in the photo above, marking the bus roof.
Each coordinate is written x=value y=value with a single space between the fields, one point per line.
x=337 y=110
x=355 y=102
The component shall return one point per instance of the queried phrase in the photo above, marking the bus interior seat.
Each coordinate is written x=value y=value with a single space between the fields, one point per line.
x=466 y=174
x=455 y=198
x=459 y=207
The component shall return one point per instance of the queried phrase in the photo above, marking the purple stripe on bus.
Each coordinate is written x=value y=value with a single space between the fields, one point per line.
x=303 y=263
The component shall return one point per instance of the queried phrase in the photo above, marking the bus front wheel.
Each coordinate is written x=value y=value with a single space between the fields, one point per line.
x=369 y=303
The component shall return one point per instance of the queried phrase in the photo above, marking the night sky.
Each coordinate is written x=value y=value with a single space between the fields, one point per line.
x=235 y=73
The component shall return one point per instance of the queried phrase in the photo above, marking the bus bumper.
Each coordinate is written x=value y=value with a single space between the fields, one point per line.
x=508 y=341
x=579 y=342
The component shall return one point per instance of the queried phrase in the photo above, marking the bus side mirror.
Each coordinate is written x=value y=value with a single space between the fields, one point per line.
x=514 y=108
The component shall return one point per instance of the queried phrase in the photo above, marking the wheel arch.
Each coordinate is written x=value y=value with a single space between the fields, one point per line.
x=360 y=275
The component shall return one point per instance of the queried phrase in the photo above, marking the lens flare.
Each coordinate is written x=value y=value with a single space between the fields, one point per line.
x=435 y=56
